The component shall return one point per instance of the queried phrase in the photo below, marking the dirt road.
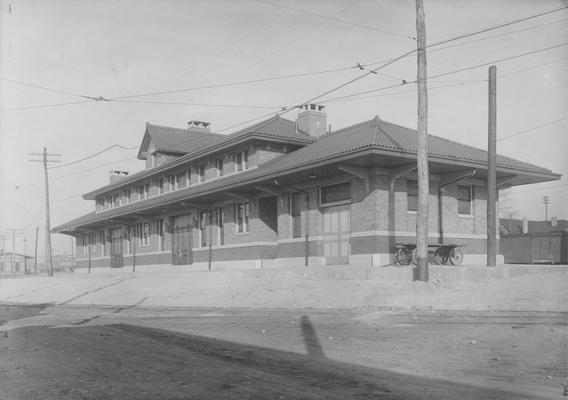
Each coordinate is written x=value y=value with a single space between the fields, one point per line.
x=174 y=353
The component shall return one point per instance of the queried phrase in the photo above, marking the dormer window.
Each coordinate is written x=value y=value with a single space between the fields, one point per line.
x=241 y=160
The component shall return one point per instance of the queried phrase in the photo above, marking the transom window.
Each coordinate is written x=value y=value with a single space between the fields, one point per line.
x=465 y=198
x=335 y=194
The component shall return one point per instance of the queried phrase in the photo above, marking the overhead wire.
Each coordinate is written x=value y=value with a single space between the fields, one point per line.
x=532 y=129
x=94 y=155
x=338 y=20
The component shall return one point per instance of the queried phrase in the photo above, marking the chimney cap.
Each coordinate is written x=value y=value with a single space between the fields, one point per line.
x=118 y=173
x=198 y=124
x=313 y=107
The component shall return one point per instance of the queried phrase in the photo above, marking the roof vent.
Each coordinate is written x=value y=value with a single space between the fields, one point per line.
x=312 y=119
x=199 y=126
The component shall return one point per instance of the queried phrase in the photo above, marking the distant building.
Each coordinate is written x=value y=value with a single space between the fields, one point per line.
x=15 y=264
x=281 y=193
x=534 y=242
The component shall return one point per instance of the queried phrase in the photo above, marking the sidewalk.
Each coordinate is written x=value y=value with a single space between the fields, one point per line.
x=526 y=288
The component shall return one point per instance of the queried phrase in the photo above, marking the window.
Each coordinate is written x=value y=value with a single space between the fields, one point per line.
x=241 y=160
x=142 y=192
x=181 y=179
x=172 y=182
x=99 y=204
x=102 y=240
x=160 y=185
x=202 y=229
x=126 y=196
x=242 y=213
x=107 y=203
x=143 y=233
x=219 y=167
x=295 y=214
x=465 y=197
x=221 y=225
x=116 y=200
x=129 y=235
x=200 y=169
x=160 y=231
x=412 y=195
x=93 y=242
x=335 y=194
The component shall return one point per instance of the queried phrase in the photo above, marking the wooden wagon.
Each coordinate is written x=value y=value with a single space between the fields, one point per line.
x=443 y=252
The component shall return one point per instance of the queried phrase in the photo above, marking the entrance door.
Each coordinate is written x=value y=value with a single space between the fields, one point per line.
x=116 y=258
x=336 y=234
x=182 y=241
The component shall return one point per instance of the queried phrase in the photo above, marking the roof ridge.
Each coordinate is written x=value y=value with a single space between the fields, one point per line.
x=148 y=124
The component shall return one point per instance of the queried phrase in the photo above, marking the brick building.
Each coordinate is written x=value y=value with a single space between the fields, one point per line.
x=284 y=192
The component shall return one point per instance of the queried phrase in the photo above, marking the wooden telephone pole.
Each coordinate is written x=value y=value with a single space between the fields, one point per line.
x=492 y=170
x=422 y=150
x=44 y=160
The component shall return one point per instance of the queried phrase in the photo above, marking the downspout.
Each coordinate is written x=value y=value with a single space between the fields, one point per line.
x=307 y=219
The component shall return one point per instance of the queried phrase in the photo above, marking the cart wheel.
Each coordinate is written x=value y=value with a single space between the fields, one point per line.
x=414 y=257
x=402 y=257
x=441 y=256
x=456 y=256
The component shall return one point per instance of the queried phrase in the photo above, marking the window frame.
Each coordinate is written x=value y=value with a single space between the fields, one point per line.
x=334 y=203
x=241 y=165
x=219 y=165
x=470 y=200
x=242 y=227
x=294 y=234
x=200 y=172
x=143 y=234
x=414 y=195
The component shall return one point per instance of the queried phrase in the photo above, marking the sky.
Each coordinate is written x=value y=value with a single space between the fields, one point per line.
x=88 y=48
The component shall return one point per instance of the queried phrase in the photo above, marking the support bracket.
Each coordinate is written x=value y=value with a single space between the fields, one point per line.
x=197 y=205
x=504 y=181
x=242 y=196
x=400 y=171
x=359 y=172
x=455 y=176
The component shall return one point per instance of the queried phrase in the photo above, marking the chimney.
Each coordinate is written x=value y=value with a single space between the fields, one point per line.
x=525 y=225
x=115 y=176
x=554 y=221
x=198 y=126
x=312 y=120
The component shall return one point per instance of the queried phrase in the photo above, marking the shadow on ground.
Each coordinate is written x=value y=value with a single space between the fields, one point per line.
x=9 y=312
x=131 y=362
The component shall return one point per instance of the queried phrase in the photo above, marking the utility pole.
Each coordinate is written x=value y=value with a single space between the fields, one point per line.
x=422 y=150
x=546 y=202
x=25 y=256
x=35 y=253
x=44 y=160
x=492 y=170
x=14 y=232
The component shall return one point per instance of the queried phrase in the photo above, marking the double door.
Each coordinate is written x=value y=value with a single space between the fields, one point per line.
x=337 y=234
x=116 y=257
x=182 y=240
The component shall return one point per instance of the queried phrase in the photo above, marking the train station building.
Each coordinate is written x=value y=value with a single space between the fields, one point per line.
x=287 y=193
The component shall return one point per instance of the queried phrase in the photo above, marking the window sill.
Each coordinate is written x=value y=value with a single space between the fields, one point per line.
x=411 y=212
x=242 y=233
x=466 y=215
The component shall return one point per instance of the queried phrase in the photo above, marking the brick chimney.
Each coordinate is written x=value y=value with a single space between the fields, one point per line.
x=198 y=126
x=312 y=120
x=115 y=176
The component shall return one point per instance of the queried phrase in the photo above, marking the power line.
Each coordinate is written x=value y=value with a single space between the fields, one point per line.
x=196 y=104
x=45 y=88
x=46 y=105
x=94 y=155
x=448 y=73
x=532 y=129
x=338 y=20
